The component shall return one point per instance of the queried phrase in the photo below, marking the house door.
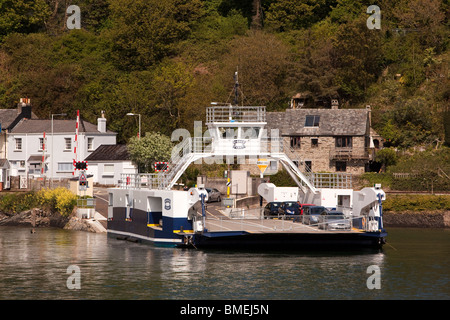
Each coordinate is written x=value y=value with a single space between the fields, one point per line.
x=23 y=182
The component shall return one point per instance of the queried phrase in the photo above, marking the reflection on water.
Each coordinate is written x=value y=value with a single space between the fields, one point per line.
x=34 y=266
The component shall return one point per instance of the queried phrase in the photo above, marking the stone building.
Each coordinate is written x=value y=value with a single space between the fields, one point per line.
x=326 y=140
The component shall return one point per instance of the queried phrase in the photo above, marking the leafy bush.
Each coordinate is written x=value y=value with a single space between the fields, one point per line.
x=416 y=203
x=60 y=200
x=11 y=203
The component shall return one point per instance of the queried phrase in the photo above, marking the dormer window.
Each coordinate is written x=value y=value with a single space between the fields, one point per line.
x=312 y=121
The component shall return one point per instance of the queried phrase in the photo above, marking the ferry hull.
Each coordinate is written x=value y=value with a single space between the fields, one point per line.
x=291 y=241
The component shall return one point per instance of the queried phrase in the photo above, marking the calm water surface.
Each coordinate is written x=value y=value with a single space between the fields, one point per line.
x=414 y=265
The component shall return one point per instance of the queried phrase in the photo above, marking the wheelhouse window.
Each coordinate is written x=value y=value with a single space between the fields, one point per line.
x=228 y=133
x=343 y=142
x=250 y=132
x=312 y=121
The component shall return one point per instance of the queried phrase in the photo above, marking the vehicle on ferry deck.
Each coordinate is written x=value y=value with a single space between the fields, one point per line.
x=213 y=195
x=311 y=214
x=333 y=220
x=271 y=209
x=303 y=206
x=289 y=208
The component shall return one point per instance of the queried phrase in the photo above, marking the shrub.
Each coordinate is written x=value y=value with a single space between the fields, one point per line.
x=416 y=203
x=11 y=203
x=60 y=200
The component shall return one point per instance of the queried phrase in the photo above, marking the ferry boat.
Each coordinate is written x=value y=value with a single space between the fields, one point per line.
x=146 y=207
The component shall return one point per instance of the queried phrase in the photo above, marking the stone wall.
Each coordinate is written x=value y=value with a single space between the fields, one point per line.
x=417 y=219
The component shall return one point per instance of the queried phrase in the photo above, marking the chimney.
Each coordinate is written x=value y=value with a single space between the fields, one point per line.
x=369 y=111
x=334 y=104
x=101 y=123
x=24 y=108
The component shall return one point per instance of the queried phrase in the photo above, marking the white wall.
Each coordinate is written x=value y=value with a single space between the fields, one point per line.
x=110 y=177
x=31 y=146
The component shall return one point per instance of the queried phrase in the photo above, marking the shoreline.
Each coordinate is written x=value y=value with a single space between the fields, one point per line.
x=423 y=219
x=37 y=218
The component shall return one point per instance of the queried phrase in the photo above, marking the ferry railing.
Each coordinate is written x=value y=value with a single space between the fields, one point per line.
x=227 y=114
x=142 y=180
x=338 y=180
x=344 y=223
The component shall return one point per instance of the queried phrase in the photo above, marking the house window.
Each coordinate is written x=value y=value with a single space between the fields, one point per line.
x=308 y=166
x=312 y=121
x=341 y=166
x=65 y=166
x=41 y=144
x=273 y=165
x=343 y=142
x=314 y=143
x=295 y=142
x=18 y=144
x=68 y=143
x=108 y=170
x=90 y=144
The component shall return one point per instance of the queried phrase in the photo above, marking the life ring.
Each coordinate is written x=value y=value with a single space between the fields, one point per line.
x=363 y=222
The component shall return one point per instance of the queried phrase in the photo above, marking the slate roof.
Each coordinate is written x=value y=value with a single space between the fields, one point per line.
x=9 y=116
x=59 y=126
x=333 y=122
x=109 y=152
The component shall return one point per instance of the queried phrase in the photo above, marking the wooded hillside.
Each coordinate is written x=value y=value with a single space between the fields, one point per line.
x=167 y=60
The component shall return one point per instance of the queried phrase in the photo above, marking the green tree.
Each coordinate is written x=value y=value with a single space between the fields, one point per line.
x=357 y=57
x=22 y=16
x=145 y=31
x=387 y=157
x=284 y=15
x=153 y=147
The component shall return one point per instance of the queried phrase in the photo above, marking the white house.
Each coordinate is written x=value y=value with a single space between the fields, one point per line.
x=8 y=120
x=26 y=141
x=107 y=163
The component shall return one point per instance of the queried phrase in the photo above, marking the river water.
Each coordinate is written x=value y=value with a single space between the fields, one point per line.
x=55 y=264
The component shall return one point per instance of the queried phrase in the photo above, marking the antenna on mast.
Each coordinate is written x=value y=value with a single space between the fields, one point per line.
x=236 y=88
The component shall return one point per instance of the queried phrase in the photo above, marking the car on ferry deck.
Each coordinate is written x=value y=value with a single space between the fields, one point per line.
x=311 y=214
x=289 y=208
x=334 y=220
x=213 y=195
x=271 y=209
x=303 y=206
